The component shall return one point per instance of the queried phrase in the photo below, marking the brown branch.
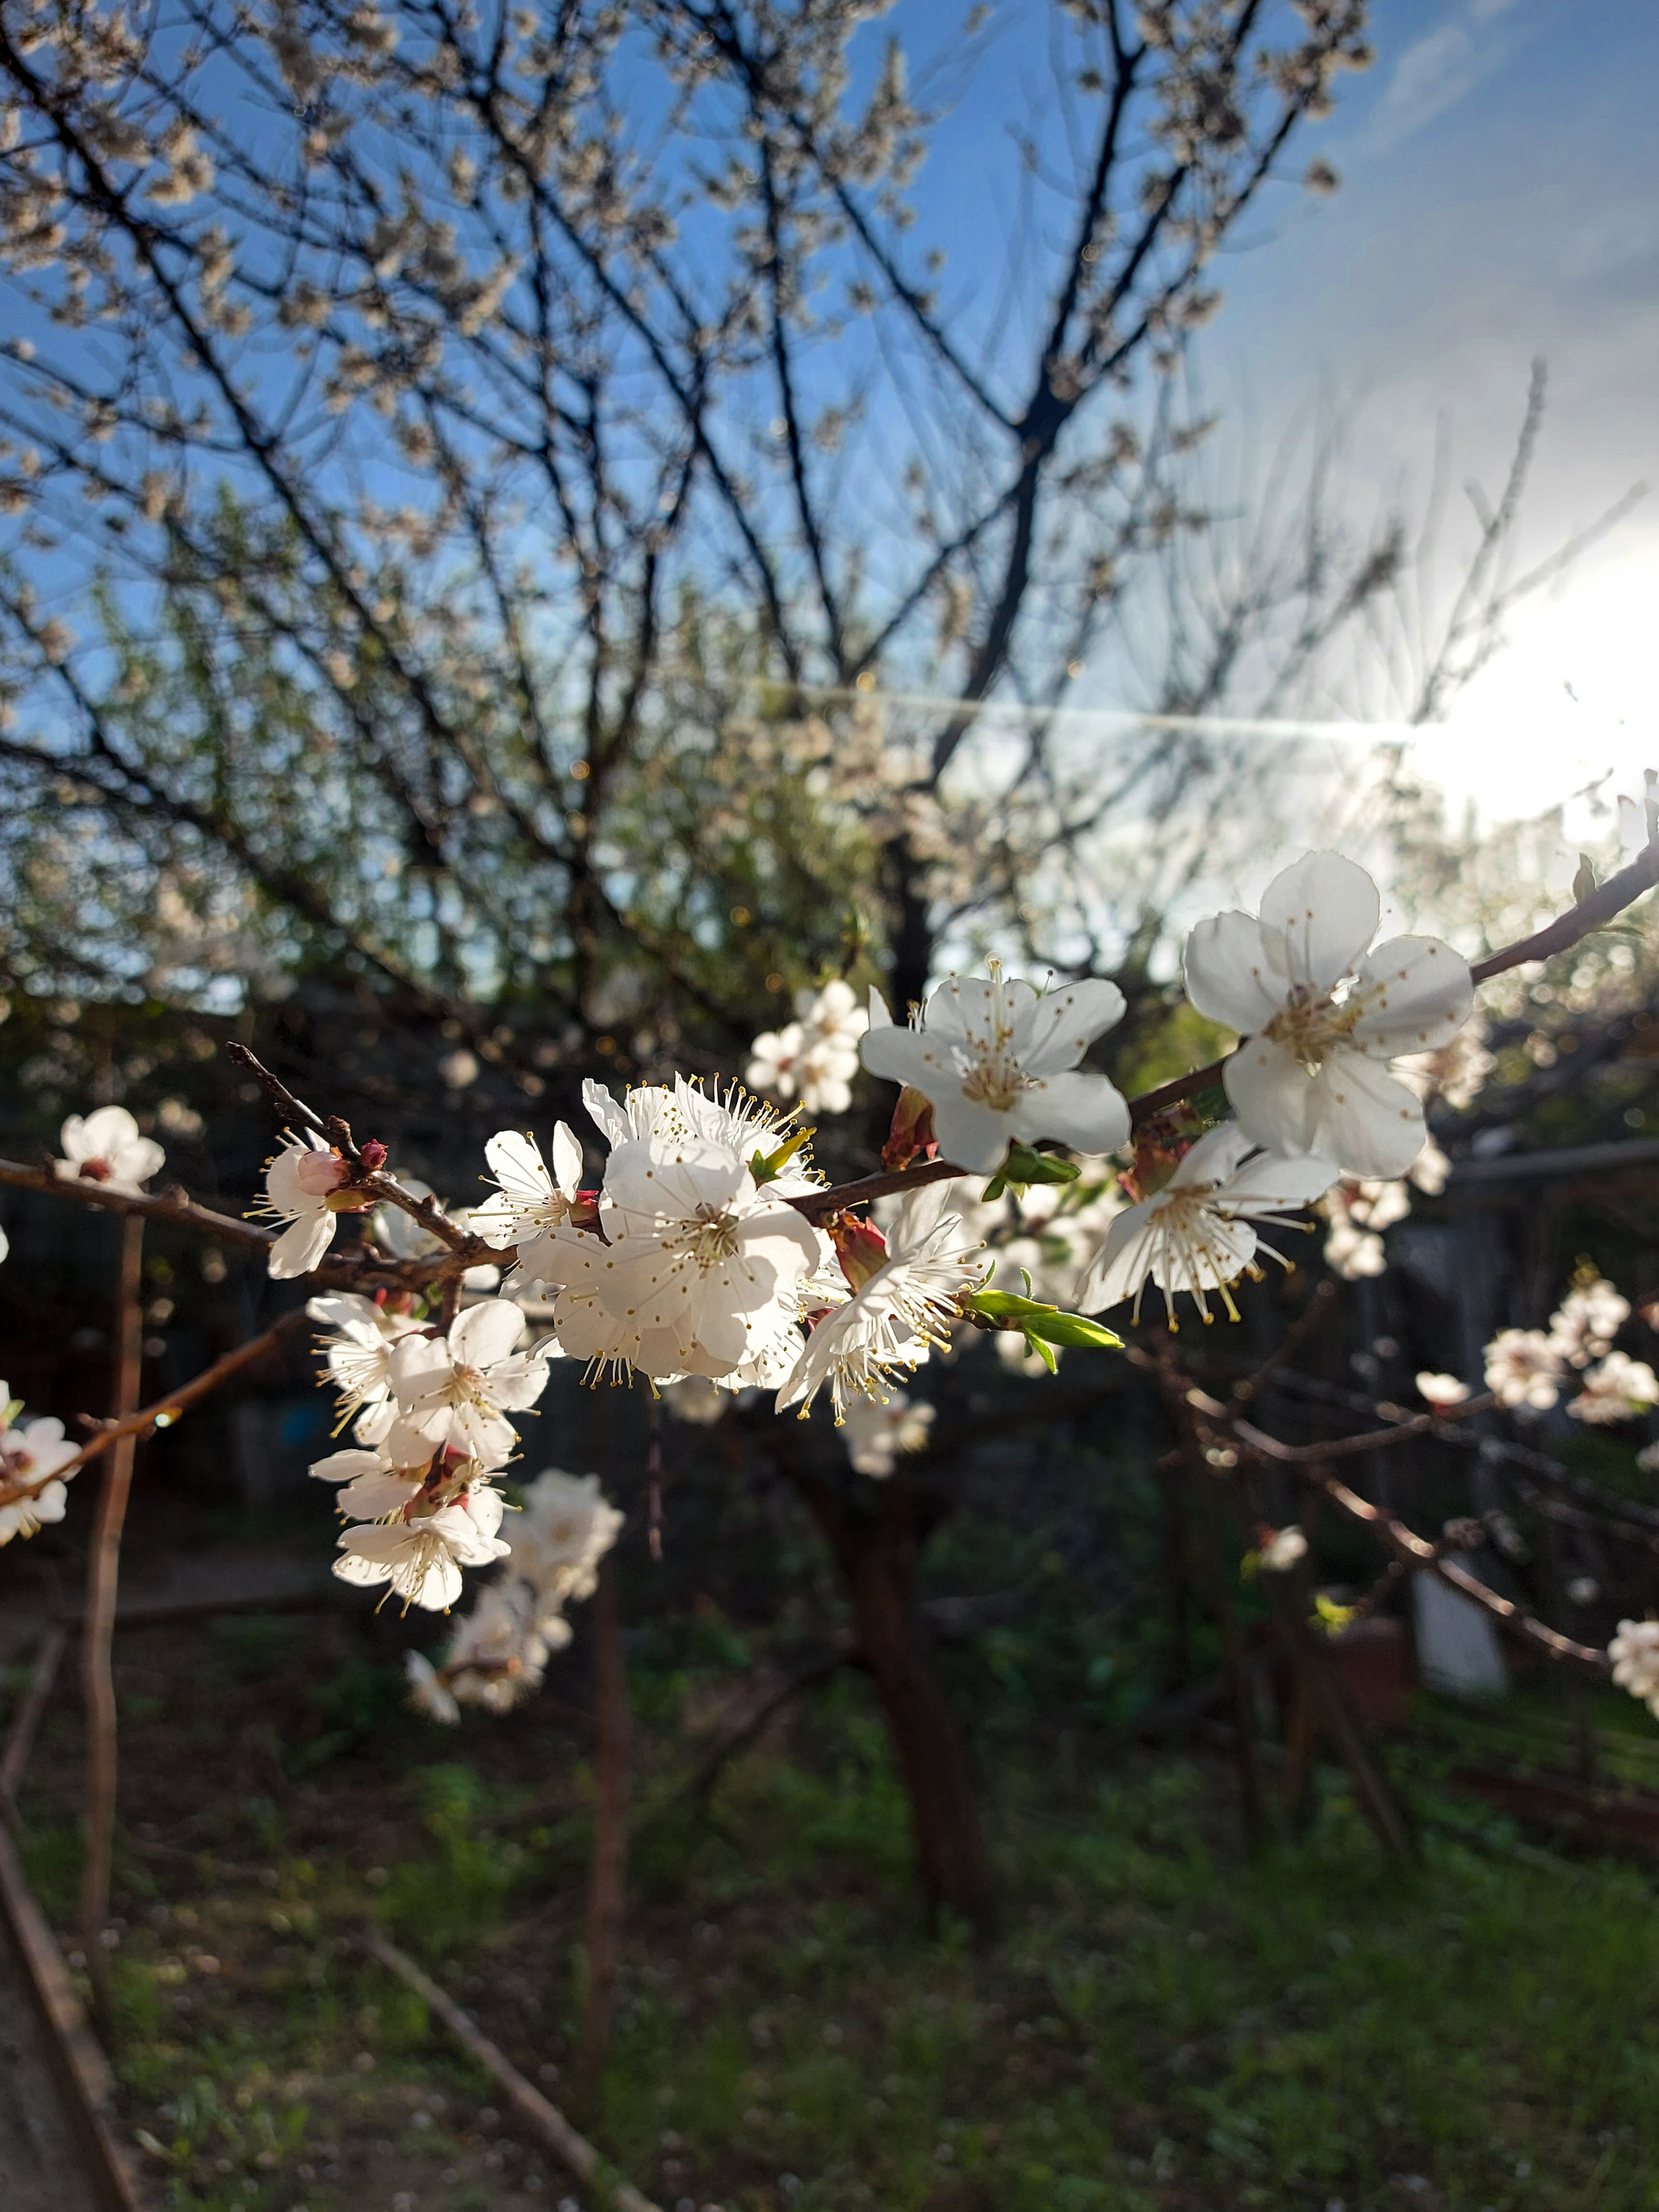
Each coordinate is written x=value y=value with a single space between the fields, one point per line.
x=166 y=1411
x=346 y=1271
x=1411 y=1550
x=836 y=1198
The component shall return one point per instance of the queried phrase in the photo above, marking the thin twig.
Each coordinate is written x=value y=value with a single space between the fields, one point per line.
x=103 y=1574
x=20 y=1738
x=360 y=1271
x=164 y=1412
x=549 y=2123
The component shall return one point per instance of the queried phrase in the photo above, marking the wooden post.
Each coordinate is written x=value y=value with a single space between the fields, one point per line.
x=103 y=1576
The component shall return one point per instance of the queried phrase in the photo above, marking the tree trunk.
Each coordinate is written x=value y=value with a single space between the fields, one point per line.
x=877 y=1546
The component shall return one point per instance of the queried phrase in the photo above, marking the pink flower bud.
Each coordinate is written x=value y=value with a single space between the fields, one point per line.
x=912 y=1133
x=859 y=1246
x=373 y=1155
x=319 y=1173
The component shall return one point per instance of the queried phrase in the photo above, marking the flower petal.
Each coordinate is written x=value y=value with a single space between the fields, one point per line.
x=300 y=1248
x=1365 y=1120
x=1318 y=916
x=971 y=1135
x=1229 y=977
x=1272 y=1183
x=567 y=1160
x=486 y=1332
x=1417 y=993
x=1273 y=1095
x=1067 y=1022
x=1087 y=1112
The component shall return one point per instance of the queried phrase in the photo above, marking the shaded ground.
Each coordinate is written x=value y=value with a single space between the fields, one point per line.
x=1163 y=2027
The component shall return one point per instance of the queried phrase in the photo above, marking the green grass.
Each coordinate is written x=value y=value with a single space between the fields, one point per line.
x=1163 y=2025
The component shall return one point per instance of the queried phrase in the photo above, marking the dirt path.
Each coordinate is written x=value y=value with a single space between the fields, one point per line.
x=40 y=2169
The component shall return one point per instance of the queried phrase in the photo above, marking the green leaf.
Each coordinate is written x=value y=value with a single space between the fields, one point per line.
x=1045 y=1322
x=1024 y=1167
x=766 y=1167
x=1073 y=1330
x=1584 y=882
x=1004 y=1305
x=1044 y=1352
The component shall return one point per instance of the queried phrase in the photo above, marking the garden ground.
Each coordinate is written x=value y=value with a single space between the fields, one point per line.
x=1162 y=2023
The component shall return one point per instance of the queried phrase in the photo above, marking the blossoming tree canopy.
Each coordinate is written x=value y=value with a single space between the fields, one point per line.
x=1325 y=1014
x=1000 y=1064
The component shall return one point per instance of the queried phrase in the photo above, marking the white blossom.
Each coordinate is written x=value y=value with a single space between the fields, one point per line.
x=308 y=1185
x=816 y=1054
x=999 y=1063
x=703 y=1268
x=1198 y=1233
x=421 y=1557
x=499 y=1652
x=1523 y=1368
x=729 y=1118
x=454 y=1392
x=1442 y=1389
x=106 y=1148
x=893 y=1318
x=877 y=1430
x=1584 y=1324
x=1634 y=1652
x=1282 y=1549
x=564 y=1531
x=359 y=1355
x=1323 y=1018
x=528 y=1199
x=34 y=1455
x=1618 y=1389
x=429 y=1694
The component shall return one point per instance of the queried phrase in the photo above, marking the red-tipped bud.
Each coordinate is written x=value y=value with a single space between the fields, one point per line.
x=373 y=1155
x=859 y=1246
x=911 y=1136
x=584 y=1211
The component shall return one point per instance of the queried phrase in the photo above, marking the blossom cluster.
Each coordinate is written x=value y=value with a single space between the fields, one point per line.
x=707 y=1256
x=498 y=1654
x=431 y=1409
x=816 y=1056
x=1528 y=1369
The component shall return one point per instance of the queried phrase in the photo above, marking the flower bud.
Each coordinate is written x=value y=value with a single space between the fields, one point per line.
x=911 y=1136
x=859 y=1246
x=319 y=1173
x=373 y=1155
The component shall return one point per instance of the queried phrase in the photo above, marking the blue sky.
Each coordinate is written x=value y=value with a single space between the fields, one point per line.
x=1500 y=200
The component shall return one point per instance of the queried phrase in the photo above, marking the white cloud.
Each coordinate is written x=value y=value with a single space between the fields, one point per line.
x=1431 y=76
